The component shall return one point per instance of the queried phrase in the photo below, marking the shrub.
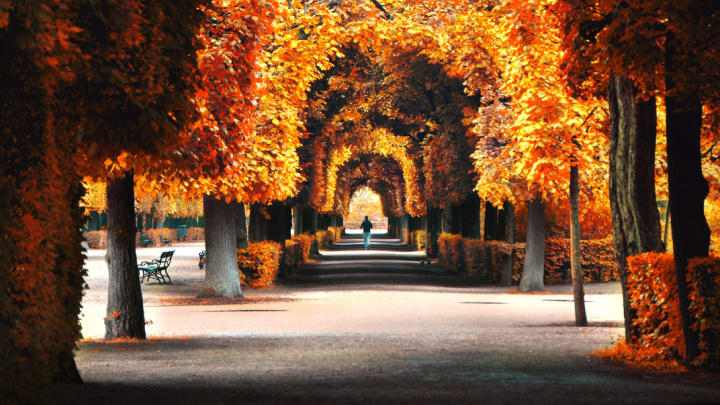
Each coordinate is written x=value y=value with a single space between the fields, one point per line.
x=451 y=251
x=444 y=249
x=417 y=239
x=404 y=235
x=306 y=241
x=154 y=234
x=325 y=238
x=598 y=260
x=704 y=292
x=484 y=259
x=292 y=255
x=96 y=239
x=652 y=292
x=475 y=257
x=259 y=263
x=336 y=232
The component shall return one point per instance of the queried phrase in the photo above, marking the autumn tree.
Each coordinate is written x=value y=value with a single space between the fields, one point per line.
x=675 y=39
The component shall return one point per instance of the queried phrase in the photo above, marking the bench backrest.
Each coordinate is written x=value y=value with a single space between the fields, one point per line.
x=143 y=237
x=165 y=258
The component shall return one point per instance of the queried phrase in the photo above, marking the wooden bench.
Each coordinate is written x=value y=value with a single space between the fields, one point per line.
x=156 y=268
x=145 y=241
x=164 y=241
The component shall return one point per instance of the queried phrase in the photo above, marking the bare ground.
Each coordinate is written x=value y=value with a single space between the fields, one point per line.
x=378 y=328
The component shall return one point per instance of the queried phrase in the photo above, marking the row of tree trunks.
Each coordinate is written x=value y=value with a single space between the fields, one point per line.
x=636 y=223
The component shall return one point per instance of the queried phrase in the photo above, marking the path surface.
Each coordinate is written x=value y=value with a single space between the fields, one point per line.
x=362 y=326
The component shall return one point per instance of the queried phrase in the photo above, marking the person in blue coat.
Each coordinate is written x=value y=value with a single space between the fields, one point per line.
x=366 y=227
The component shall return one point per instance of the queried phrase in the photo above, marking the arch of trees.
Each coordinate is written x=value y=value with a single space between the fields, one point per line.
x=438 y=106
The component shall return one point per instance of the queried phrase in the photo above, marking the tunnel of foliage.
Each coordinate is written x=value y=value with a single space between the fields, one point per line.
x=496 y=122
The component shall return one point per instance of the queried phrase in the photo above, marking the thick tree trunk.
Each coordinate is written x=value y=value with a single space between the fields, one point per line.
x=404 y=229
x=508 y=261
x=65 y=260
x=534 y=268
x=636 y=223
x=432 y=231
x=258 y=229
x=687 y=186
x=297 y=213
x=490 y=222
x=451 y=220
x=125 y=316
x=280 y=222
x=501 y=225
x=310 y=220
x=240 y=225
x=221 y=267
x=471 y=217
x=575 y=253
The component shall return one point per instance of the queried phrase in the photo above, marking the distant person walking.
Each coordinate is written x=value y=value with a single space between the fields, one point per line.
x=366 y=227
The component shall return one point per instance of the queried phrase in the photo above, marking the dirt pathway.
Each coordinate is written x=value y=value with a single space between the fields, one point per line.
x=363 y=327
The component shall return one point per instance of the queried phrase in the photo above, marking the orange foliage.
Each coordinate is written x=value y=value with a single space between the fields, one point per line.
x=259 y=263
x=652 y=292
x=484 y=259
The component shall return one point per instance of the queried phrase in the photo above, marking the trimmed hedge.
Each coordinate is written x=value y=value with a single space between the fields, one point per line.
x=98 y=239
x=417 y=240
x=484 y=259
x=306 y=241
x=652 y=292
x=259 y=263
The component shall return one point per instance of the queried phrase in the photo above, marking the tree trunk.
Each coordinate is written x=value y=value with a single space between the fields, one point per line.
x=451 y=220
x=490 y=222
x=686 y=184
x=501 y=225
x=240 y=225
x=221 y=266
x=471 y=217
x=432 y=230
x=404 y=229
x=508 y=261
x=297 y=213
x=280 y=222
x=575 y=253
x=309 y=221
x=258 y=229
x=125 y=316
x=68 y=265
x=636 y=223
x=534 y=268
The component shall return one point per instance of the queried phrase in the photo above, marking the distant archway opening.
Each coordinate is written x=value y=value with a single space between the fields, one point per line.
x=365 y=202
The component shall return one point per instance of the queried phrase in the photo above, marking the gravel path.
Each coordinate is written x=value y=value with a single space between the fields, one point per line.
x=362 y=327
